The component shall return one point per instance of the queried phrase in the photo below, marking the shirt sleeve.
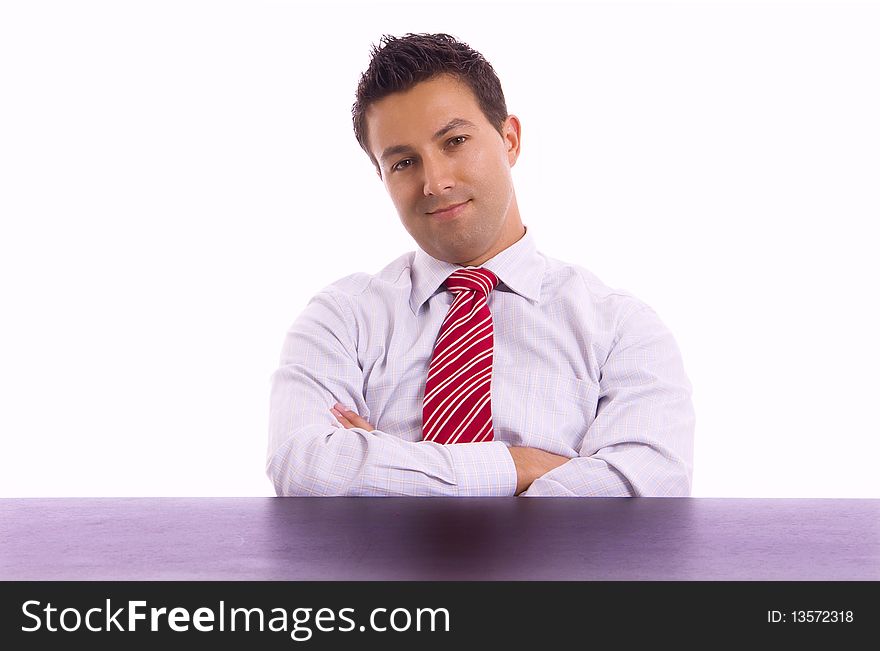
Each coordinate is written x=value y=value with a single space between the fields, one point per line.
x=311 y=454
x=641 y=441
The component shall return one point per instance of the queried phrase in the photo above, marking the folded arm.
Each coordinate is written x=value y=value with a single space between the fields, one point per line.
x=312 y=453
x=641 y=441
x=530 y=463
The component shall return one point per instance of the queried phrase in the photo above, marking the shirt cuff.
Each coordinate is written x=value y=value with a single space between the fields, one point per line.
x=483 y=469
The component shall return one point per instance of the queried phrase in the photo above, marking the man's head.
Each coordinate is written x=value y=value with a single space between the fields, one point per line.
x=431 y=115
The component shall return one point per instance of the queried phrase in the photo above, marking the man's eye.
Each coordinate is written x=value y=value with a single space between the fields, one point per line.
x=402 y=165
x=458 y=140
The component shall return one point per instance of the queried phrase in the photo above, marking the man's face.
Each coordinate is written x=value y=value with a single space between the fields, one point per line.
x=447 y=170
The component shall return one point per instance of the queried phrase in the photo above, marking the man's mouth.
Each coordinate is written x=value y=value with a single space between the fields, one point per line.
x=449 y=211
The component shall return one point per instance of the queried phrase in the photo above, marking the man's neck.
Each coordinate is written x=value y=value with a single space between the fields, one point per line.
x=494 y=251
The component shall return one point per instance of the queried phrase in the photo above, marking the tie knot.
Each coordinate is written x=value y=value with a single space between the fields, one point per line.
x=470 y=279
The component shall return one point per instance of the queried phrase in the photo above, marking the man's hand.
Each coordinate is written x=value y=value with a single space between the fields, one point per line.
x=531 y=463
x=348 y=419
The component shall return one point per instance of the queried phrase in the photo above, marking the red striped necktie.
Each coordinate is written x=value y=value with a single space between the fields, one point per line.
x=457 y=407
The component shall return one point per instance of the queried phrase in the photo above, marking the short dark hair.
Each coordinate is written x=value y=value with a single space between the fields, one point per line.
x=398 y=64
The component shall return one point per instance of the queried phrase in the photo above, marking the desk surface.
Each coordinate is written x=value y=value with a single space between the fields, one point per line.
x=439 y=539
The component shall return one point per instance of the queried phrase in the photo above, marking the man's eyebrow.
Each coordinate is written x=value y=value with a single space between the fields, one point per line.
x=394 y=151
x=454 y=123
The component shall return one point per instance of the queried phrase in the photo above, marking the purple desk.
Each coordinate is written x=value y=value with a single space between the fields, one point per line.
x=439 y=539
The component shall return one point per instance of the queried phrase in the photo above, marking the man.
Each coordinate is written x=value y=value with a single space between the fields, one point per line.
x=474 y=366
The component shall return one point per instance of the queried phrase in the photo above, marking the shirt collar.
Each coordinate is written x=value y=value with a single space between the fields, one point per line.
x=519 y=267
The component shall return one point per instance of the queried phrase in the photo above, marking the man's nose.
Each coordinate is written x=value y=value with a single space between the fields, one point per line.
x=438 y=175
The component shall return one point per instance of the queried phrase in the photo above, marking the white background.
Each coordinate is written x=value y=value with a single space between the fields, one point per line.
x=177 y=179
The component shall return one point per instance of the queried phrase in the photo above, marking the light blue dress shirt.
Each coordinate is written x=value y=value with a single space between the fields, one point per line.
x=580 y=370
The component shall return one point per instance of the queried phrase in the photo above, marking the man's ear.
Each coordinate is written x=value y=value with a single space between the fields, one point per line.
x=511 y=132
